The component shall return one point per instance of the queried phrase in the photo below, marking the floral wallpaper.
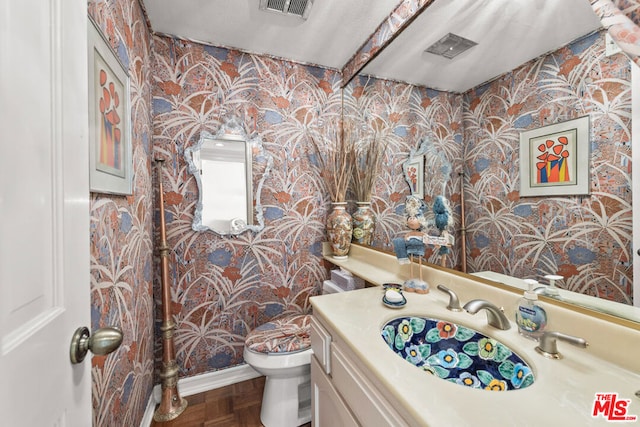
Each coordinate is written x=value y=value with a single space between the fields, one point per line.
x=406 y=116
x=226 y=286
x=222 y=287
x=620 y=18
x=585 y=239
x=122 y=265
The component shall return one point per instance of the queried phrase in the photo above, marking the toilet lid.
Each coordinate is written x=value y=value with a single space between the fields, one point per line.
x=283 y=335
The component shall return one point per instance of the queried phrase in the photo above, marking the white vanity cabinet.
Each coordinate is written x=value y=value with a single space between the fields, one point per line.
x=358 y=380
x=342 y=392
x=327 y=408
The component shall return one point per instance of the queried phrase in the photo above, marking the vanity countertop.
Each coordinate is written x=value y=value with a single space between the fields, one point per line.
x=563 y=392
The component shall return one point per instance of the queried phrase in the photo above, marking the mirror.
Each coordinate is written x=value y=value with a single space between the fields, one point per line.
x=223 y=166
x=584 y=211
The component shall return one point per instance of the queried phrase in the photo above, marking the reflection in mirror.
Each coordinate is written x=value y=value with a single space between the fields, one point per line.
x=225 y=171
x=517 y=237
x=587 y=301
x=427 y=158
x=223 y=166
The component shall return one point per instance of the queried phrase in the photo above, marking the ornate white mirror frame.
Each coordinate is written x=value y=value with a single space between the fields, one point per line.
x=223 y=165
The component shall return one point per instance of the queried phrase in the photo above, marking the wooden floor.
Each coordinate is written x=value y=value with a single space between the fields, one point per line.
x=236 y=405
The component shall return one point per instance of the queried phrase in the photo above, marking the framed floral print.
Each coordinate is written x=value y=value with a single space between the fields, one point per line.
x=554 y=159
x=414 y=174
x=110 y=153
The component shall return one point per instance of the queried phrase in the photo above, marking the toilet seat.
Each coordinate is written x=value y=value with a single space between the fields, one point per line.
x=271 y=363
x=281 y=351
x=284 y=335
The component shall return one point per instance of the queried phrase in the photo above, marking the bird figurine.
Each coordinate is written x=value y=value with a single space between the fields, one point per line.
x=443 y=219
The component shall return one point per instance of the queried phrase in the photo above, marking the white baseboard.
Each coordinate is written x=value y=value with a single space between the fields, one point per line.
x=147 y=418
x=199 y=384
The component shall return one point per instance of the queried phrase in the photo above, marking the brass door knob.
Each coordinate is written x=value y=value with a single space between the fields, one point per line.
x=103 y=341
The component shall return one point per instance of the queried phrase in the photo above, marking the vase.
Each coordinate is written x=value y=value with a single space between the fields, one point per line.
x=339 y=230
x=364 y=223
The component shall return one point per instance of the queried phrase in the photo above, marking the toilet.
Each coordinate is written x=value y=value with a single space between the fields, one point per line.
x=281 y=351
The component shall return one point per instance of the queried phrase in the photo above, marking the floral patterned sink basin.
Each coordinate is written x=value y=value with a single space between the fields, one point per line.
x=457 y=354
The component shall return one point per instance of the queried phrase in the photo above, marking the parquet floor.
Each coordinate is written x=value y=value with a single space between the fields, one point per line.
x=236 y=405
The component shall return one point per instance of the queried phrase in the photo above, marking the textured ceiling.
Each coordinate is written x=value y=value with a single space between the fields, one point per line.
x=508 y=32
x=333 y=32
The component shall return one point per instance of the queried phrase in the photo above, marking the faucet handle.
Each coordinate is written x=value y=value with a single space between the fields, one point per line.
x=548 y=346
x=454 y=302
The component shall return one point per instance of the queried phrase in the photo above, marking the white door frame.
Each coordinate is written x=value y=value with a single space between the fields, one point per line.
x=635 y=174
x=44 y=212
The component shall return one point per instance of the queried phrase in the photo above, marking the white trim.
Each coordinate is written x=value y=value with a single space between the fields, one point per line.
x=635 y=178
x=200 y=383
x=147 y=418
x=28 y=329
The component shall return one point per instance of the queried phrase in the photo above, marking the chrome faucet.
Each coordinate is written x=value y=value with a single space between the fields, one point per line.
x=454 y=302
x=495 y=316
x=548 y=346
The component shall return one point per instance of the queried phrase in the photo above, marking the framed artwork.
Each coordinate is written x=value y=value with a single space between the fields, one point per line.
x=554 y=159
x=110 y=159
x=414 y=174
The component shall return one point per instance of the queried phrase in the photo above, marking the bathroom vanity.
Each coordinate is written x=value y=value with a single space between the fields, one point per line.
x=357 y=379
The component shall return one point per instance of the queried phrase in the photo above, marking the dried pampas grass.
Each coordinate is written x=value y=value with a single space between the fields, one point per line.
x=368 y=157
x=345 y=159
x=335 y=151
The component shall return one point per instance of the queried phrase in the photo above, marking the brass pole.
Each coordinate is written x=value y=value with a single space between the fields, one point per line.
x=171 y=404
x=463 y=229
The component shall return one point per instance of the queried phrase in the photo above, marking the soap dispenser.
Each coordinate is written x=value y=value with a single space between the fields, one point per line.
x=530 y=317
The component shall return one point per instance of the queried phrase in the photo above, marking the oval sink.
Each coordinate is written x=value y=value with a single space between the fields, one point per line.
x=457 y=354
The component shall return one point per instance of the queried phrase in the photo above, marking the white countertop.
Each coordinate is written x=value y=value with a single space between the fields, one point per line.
x=563 y=392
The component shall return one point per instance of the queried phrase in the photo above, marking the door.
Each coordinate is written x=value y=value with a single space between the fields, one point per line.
x=44 y=212
x=635 y=177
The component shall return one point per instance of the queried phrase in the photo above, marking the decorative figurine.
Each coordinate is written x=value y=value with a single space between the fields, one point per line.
x=414 y=242
x=443 y=220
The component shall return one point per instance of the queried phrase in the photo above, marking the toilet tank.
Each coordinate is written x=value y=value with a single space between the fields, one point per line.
x=329 y=287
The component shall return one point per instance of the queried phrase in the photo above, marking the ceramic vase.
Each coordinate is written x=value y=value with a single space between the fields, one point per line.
x=363 y=223
x=339 y=230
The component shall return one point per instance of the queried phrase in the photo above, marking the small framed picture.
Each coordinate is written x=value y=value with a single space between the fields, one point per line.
x=554 y=159
x=414 y=174
x=110 y=153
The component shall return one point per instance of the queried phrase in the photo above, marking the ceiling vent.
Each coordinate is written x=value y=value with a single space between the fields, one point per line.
x=450 y=46
x=299 y=8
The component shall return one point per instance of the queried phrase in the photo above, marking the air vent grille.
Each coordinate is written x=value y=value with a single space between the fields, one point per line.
x=298 y=8
x=450 y=46
x=277 y=5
